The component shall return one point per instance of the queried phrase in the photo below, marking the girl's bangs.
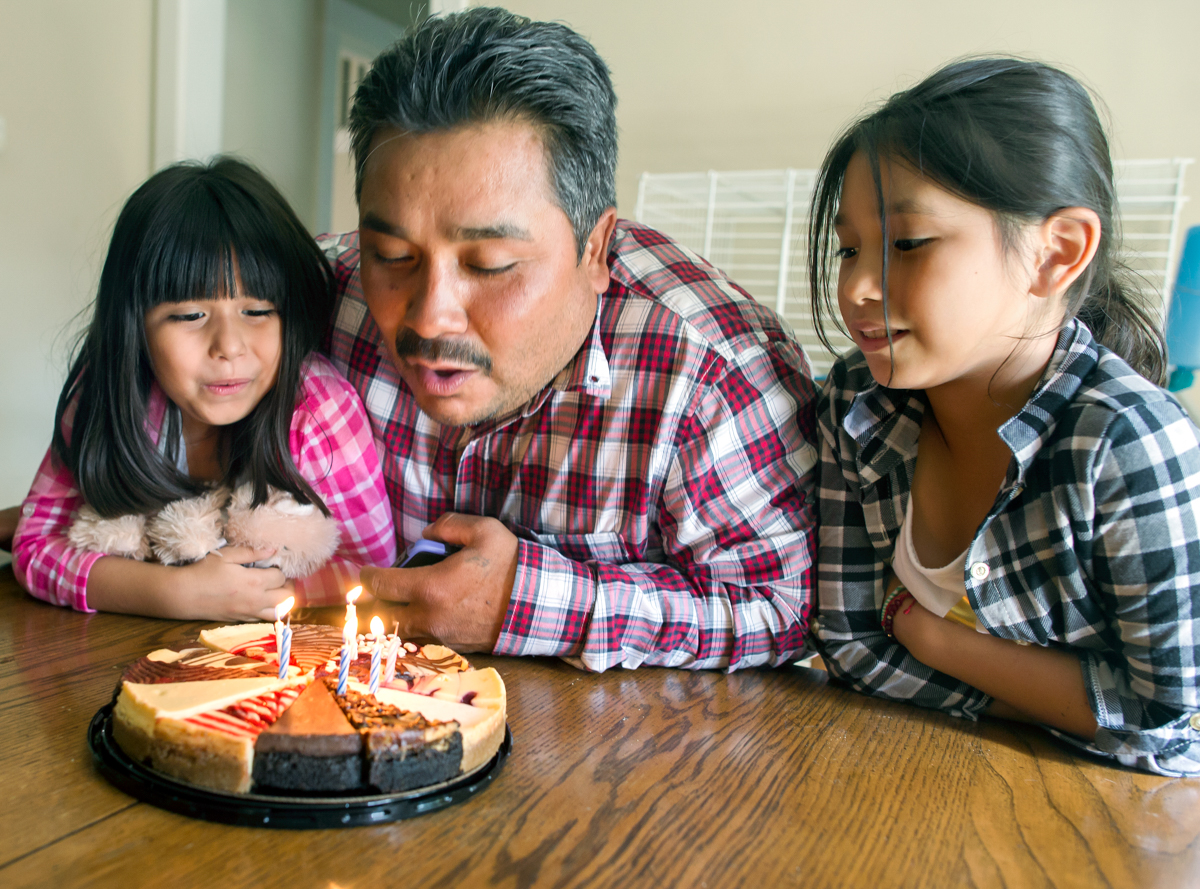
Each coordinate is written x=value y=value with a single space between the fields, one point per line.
x=202 y=246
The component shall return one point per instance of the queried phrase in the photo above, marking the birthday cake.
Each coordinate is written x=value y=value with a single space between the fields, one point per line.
x=222 y=715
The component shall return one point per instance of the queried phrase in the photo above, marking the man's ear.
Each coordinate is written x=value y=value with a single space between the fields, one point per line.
x=1066 y=243
x=595 y=252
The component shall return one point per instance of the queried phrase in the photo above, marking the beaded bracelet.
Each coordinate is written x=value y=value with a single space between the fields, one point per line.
x=891 y=605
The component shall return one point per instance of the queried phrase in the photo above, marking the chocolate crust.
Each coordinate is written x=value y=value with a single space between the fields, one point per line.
x=299 y=771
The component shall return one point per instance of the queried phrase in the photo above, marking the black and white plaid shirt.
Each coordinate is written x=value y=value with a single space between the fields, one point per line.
x=1093 y=544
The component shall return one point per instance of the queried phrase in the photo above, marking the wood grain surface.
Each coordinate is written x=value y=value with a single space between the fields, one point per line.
x=652 y=778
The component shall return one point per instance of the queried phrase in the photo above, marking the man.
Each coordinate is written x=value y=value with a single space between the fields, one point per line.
x=616 y=436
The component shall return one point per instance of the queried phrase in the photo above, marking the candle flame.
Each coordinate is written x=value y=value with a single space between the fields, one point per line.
x=376 y=626
x=353 y=594
x=284 y=607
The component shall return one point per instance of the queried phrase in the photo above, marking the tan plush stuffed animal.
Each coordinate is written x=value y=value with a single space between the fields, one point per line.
x=186 y=531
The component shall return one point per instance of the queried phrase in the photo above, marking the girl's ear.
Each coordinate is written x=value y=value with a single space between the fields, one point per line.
x=1066 y=243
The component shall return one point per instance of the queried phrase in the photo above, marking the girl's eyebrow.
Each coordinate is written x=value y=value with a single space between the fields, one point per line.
x=910 y=206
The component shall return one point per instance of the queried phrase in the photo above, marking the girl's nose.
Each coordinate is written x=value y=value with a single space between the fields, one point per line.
x=228 y=340
x=438 y=305
x=860 y=279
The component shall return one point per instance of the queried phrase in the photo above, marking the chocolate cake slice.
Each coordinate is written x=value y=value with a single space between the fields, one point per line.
x=402 y=750
x=310 y=747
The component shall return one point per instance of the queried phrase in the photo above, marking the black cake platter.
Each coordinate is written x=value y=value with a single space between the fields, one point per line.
x=297 y=811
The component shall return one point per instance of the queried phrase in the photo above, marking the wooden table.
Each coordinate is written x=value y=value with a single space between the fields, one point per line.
x=647 y=778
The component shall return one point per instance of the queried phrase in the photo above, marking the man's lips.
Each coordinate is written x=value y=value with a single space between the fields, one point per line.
x=441 y=379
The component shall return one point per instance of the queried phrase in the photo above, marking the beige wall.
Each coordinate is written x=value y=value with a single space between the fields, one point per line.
x=708 y=85
x=272 y=81
x=75 y=95
x=701 y=86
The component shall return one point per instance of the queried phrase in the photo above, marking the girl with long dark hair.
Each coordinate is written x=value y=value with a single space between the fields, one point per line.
x=197 y=373
x=1010 y=504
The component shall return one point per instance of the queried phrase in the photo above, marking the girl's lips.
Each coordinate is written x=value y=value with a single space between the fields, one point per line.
x=878 y=341
x=442 y=381
x=226 y=387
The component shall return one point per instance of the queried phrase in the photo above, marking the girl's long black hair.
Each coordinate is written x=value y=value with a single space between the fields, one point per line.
x=1019 y=138
x=190 y=232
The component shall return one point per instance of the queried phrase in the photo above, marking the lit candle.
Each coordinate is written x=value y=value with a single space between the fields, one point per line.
x=283 y=634
x=376 y=652
x=389 y=672
x=349 y=640
x=350 y=633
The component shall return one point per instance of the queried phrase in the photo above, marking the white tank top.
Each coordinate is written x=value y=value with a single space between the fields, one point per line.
x=940 y=590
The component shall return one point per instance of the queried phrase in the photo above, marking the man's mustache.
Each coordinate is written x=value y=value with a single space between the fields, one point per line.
x=409 y=344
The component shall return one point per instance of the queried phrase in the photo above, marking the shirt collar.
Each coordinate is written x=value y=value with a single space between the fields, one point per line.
x=1075 y=356
x=588 y=371
x=885 y=423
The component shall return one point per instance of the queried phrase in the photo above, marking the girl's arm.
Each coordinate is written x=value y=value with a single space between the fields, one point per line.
x=51 y=568
x=334 y=450
x=44 y=560
x=1041 y=684
x=218 y=587
x=851 y=581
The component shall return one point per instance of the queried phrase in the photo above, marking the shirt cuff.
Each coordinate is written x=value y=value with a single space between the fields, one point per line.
x=549 y=612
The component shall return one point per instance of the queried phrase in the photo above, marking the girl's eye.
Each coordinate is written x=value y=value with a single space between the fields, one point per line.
x=846 y=252
x=259 y=313
x=189 y=316
x=906 y=244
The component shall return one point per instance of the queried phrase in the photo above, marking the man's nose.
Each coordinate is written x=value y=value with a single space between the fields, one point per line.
x=438 y=304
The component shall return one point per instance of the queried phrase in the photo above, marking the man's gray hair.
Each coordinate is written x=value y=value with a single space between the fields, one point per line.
x=488 y=64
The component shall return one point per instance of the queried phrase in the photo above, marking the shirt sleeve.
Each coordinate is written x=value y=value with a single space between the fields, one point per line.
x=851 y=578
x=44 y=560
x=335 y=452
x=1144 y=686
x=726 y=577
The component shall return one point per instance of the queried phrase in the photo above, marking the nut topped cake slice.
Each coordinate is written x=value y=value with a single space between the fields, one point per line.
x=401 y=748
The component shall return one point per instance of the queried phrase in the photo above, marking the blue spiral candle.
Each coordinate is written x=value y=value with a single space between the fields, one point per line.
x=344 y=669
x=284 y=643
x=283 y=634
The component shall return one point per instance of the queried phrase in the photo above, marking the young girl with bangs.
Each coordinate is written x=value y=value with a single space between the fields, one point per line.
x=197 y=371
x=1010 y=505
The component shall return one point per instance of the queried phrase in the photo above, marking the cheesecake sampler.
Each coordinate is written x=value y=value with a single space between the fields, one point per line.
x=217 y=715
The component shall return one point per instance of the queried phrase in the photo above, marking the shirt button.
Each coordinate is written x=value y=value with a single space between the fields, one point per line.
x=27 y=510
x=1194 y=722
x=980 y=570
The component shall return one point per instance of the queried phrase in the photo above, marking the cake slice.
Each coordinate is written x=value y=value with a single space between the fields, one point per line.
x=200 y=732
x=402 y=749
x=310 y=747
x=312 y=644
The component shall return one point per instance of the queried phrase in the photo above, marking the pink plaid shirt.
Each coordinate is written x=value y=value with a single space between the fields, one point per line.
x=332 y=447
x=661 y=486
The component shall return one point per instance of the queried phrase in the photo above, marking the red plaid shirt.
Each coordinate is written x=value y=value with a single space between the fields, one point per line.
x=661 y=485
x=331 y=444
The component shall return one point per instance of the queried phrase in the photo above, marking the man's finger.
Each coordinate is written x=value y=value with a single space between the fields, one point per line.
x=454 y=528
x=389 y=584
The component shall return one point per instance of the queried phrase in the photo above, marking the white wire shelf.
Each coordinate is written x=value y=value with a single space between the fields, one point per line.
x=753 y=225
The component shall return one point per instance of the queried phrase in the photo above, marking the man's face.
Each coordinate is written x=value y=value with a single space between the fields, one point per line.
x=469 y=267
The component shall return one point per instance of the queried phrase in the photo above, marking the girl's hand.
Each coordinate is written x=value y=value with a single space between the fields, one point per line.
x=221 y=587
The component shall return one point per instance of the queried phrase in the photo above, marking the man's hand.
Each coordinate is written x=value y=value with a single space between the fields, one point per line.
x=461 y=600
